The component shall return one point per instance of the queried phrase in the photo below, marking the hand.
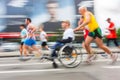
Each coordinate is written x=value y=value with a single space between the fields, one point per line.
x=74 y=30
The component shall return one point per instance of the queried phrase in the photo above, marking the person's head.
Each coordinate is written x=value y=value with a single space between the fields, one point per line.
x=65 y=24
x=22 y=26
x=41 y=28
x=82 y=10
x=52 y=6
x=27 y=21
x=108 y=20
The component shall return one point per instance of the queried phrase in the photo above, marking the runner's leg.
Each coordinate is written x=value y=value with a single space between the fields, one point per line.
x=21 y=50
x=88 y=40
x=105 y=48
x=100 y=44
x=25 y=50
x=37 y=50
x=116 y=43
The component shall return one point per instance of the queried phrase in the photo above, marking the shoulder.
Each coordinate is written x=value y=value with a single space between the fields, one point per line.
x=25 y=31
x=31 y=25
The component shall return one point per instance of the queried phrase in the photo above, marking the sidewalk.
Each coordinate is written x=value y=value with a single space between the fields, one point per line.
x=17 y=54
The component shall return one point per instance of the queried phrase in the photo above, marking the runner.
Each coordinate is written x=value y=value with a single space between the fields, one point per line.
x=43 y=38
x=30 y=40
x=112 y=36
x=23 y=36
x=86 y=32
x=94 y=34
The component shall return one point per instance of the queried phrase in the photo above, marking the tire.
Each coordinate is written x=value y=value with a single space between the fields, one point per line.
x=69 y=56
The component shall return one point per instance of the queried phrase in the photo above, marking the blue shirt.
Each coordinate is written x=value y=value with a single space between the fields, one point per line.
x=23 y=33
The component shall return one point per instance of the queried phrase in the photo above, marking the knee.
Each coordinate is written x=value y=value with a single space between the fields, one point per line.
x=20 y=49
x=86 y=45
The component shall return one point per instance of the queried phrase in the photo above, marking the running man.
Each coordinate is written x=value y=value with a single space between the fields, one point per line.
x=23 y=35
x=113 y=35
x=86 y=32
x=30 y=40
x=94 y=34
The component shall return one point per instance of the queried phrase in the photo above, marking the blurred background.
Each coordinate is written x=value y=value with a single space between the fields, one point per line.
x=50 y=13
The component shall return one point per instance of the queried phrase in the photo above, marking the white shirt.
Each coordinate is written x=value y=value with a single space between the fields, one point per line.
x=68 y=33
x=43 y=36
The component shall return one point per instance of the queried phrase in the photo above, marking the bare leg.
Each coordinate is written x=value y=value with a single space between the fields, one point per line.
x=105 y=48
x=47 y=47
x=30 y=50
x=25 y=50
x=93 y=55
x=83 y=45
x=21 y=49
x=41 y=47
x=100 y=44
x=37 y=50
x=88 y=40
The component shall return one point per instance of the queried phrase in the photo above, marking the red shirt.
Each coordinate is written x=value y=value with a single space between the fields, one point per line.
x=112 y=32
x=86 y=32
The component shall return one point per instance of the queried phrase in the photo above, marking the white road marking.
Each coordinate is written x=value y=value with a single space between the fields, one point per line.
x=23 y=64
x=111 y=67
x=44 y=63
x=30 y=71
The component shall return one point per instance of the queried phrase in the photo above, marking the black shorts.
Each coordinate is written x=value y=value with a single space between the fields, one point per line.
x=44 y=44
x=22 y=43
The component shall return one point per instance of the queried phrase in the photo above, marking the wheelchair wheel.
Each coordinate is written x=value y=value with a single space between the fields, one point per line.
x=69 y=56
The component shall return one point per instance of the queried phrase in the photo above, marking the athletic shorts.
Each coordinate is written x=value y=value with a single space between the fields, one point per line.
x=96 y=33
x=30 y=42
x=22 y=43
x=43 y=44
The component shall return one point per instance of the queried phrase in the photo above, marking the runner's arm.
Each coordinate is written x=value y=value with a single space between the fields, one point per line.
x=113 y=28
x=46 y=36
x=33 y=28
x=87 y=15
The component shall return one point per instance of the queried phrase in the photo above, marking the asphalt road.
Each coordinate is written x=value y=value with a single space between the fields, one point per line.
x=34 y=69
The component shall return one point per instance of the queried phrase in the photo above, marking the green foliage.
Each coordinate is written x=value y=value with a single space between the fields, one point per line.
x=118 y=33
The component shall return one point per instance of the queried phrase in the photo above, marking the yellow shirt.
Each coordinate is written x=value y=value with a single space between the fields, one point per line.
x=93 y=25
